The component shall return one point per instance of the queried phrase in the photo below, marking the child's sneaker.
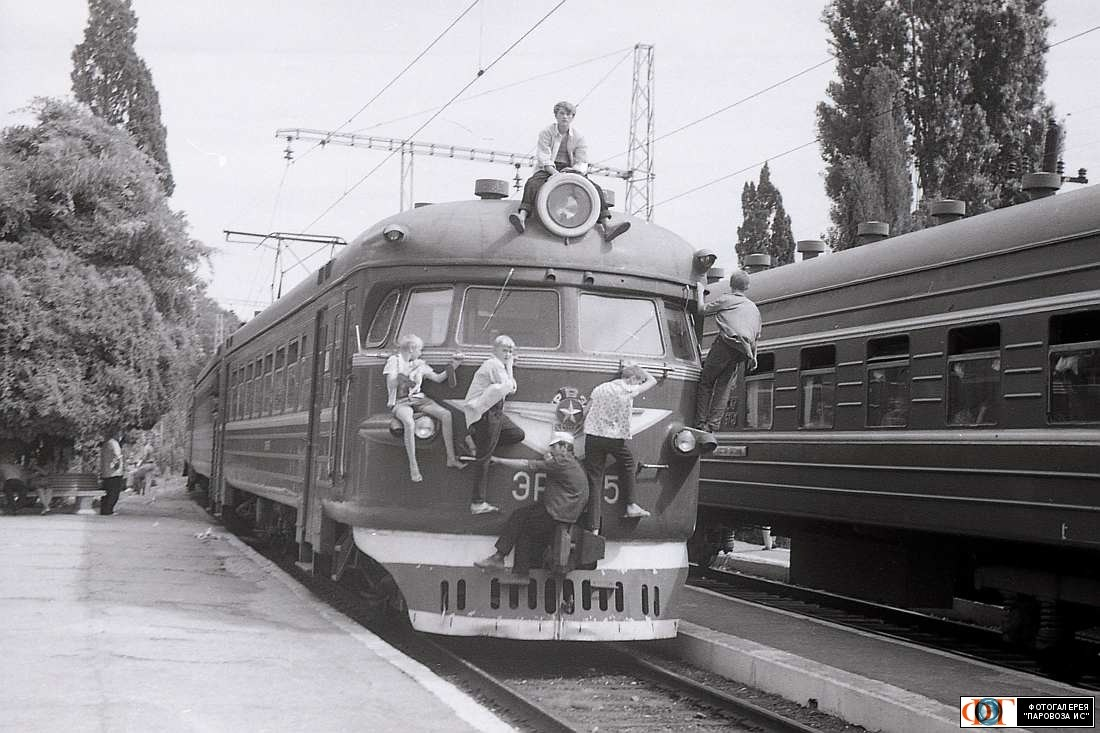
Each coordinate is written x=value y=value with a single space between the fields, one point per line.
x=633 y=511
x=483 y=507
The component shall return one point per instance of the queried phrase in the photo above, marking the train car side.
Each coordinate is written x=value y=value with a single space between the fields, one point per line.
x=925 y=419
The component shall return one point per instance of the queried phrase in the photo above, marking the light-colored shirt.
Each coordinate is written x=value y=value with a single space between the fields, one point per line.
x=609 y=409
x=110 y=459
x=492 y=382
x=550 y=143
x=409 y=373
x=738 y=319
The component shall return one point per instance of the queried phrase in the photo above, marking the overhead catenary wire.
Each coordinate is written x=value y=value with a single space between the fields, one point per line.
x=494 y=90
x=480 y=73
x=628 y=54
x=401 y=73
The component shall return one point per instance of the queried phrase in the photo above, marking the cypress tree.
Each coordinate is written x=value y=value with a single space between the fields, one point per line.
x=766 y=225
x=115 y=83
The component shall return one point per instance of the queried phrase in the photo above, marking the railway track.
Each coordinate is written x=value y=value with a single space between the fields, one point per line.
x=560 y=687
x=968 y=640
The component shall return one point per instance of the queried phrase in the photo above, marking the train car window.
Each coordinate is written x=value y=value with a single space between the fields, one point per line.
x=382 y=321
x=681 y=335
x=428 y=314
x=292 y=376
x=531 y=317
x=817 y=383
x=257 y=388
x=268 y=388
x=760 y=393
x=974 y=375
x=1074 y=393
x=279 y=400
x=888 y=382
x=620 y=325
x=246 y=404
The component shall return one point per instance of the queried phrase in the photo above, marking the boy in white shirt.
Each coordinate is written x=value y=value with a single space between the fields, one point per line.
x=606 y=430
x=405 y=373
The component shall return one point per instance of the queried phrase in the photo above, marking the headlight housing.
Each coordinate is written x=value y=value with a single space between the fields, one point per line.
x=692 y=442
x=424 y=427
x=684 y=442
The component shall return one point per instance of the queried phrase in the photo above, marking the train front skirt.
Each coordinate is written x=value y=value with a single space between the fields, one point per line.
x=631 y=595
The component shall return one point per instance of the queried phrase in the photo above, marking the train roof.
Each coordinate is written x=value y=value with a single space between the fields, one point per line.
x=476 y=233
x=1053 y=218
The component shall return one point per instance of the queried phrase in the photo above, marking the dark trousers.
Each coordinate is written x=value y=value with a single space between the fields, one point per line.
x=596 y=450
x=494 y=429
x=529 y=530
x=15 y=491
x=715 y=382
x=538 y=178
x=112 y=487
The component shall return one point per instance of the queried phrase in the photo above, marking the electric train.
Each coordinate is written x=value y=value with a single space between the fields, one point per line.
x=291 y=432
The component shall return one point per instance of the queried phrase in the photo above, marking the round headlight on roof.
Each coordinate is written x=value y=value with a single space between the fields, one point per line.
x=568 y=204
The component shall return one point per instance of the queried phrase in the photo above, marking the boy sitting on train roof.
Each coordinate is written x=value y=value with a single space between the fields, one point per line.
x=606 y=430
x=405 y=373
x=561 y=149
x=529 y=529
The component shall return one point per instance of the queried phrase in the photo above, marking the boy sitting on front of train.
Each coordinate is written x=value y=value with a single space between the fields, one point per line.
x=606 y=430
x=405 y=373
x=530 y=529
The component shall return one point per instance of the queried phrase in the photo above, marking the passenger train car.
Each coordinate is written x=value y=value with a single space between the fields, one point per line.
x=292 y=431
x=924 y=418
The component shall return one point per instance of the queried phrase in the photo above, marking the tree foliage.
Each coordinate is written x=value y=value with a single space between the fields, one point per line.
x=767 y=226
x=115 y=82
x=98 y=283
x=950 y=89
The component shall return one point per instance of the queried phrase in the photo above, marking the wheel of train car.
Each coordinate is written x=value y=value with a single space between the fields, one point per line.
x=568 y=204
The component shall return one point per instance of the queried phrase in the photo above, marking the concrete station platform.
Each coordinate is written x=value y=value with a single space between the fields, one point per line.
x=882 y=685
x=153 y=620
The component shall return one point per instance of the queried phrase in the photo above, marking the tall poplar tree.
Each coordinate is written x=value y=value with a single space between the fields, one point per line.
x=970 y=73
x=863 y=128
x=766 y=225
x=115 y=83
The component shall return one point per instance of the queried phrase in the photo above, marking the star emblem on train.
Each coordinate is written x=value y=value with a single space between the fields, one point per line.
x=569 y=415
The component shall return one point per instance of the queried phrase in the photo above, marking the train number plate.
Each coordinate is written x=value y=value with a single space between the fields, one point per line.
x=730 y=451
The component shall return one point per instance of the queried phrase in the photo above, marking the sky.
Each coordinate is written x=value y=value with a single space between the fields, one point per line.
x=232 y=72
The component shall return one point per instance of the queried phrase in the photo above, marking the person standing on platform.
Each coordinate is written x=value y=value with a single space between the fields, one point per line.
x=142 y=476
x=561 y=148
x=488 y=426
x=529 y=529
x=606 y=430
x=739 y=325
x=110 y=474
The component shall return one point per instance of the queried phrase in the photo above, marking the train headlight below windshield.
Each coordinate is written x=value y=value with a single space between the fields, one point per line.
x=424 y=427
x=683 y=441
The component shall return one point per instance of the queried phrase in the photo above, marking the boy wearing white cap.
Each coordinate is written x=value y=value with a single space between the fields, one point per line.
x=530 y=528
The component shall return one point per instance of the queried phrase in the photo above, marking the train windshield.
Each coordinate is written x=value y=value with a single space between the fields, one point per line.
x=620 y=325
x=532 y=317
x=427 y=314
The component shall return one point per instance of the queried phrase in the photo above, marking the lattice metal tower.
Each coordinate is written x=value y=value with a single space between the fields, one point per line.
x=639 y=157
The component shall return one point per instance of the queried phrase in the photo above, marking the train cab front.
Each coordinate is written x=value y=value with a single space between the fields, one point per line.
x=614 y=573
